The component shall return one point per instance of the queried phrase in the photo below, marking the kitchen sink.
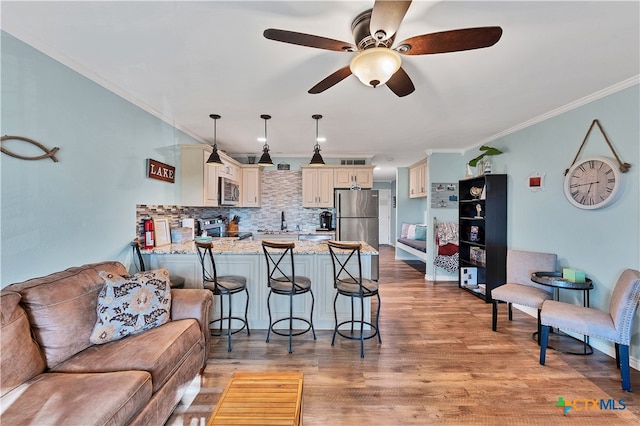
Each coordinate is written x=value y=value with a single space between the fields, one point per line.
x=315 y=237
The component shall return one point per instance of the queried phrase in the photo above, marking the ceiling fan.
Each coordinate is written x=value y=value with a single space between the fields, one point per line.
x=376 y=61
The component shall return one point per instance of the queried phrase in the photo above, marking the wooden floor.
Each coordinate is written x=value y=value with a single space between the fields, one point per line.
x=439 y=363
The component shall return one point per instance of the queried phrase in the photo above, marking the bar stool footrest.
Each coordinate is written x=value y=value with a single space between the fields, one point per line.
x=372 y=332
x=279 y=332
x=234 y=331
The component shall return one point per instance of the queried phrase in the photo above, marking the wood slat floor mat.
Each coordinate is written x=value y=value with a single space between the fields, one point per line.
x=439 y=363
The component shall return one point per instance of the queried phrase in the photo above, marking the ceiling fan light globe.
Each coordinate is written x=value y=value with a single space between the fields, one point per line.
x=376 y=65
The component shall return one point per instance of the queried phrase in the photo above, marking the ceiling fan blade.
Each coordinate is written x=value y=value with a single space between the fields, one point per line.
x=450 y=41
x=386 y=17
x=400 y=83
x=308 y=40
x=332 y=80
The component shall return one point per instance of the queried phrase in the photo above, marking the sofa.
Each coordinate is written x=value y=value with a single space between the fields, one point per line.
x=53 y=374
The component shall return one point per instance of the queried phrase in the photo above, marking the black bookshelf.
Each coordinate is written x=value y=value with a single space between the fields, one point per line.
x=482 y=220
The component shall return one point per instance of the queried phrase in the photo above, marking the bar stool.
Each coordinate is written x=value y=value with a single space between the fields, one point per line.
x=174 y=281
x=279 y=258
x=353 y=286
x=226 y=285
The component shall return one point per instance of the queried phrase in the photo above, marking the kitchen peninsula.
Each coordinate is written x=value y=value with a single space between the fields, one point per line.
x=246 y=258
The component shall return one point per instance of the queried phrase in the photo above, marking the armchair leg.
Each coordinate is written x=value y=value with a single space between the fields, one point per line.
x=494 y=317
x=544 y=342
x=618 y=355
x=624 y=367
x=510 y=312
x=539 y=327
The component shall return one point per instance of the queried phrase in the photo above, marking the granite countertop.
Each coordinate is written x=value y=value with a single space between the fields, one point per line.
x=235 y=246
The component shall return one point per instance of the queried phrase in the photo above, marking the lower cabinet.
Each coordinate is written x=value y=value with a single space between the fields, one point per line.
x=317 y=267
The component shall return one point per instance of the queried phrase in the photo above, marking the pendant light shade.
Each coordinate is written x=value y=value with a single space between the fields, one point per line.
x=214 y=158
x=265 y=158
x=376 y=65
x=316 y=160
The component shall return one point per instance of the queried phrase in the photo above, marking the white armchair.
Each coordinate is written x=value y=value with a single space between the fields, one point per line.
x=519 y=289
x=615 y=326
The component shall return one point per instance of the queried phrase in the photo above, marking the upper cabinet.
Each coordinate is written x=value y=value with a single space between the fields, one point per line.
x=345 y=177
x=251 y=185
x=418 y=179
x=230 y=169
x=198 y=182
x=317 y=187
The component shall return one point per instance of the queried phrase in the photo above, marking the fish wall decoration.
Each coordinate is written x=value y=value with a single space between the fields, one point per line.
x=48 y=153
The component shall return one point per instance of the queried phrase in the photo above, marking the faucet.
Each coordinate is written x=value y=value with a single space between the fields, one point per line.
x=283 y=223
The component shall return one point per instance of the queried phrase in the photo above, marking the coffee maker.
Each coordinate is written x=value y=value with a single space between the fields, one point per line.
x=326 y=221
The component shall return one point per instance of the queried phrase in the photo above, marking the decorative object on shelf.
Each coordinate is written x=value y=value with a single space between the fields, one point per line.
x=214 y=158
x=265 y=158
x=594 y=182
x=49 y=153
x=316 y=160
x=486 y=151
x=469 y=277
x=535 y=181
x=475 y=191
x=251 y=159
x=486 y=167
x=160 y=171
x=478 y=210
x=468 y=173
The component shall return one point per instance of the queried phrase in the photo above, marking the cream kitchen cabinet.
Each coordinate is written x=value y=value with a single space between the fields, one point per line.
x=198 y=182
x=418 y=179
x=317 y=187
x=230 y=169
x=345 y=177
x=251 y=189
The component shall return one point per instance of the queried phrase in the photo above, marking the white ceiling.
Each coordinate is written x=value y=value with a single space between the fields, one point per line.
x=185 y=60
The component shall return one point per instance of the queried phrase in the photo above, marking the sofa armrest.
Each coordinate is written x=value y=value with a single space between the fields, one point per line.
x=196 y=304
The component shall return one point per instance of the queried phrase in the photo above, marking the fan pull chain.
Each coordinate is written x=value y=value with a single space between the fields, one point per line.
x=624 y=167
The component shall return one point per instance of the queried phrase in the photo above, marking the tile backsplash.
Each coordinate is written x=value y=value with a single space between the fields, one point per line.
x=281 y=192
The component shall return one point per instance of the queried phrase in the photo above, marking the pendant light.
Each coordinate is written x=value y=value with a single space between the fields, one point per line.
x=316 y=160
x=214 y=158
x=265 y=159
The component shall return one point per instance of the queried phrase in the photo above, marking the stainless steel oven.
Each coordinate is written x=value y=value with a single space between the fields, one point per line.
x=214 y=227
x=229 y=191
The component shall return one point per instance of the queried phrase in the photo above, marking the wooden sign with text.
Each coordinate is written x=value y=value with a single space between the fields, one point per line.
x=160 y=171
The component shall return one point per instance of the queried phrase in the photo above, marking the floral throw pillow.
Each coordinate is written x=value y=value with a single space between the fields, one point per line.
x=131 y=304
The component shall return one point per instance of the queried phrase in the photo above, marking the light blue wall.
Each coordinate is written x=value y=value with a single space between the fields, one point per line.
x=603 y=242
x=409 y=210
x=442 y=167
x=81 y=209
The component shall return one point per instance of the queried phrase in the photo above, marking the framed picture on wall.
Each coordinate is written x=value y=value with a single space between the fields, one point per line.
x=444 y=195
x=162 y=231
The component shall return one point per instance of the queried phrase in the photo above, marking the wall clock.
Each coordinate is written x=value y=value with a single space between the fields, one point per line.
x=592 y=183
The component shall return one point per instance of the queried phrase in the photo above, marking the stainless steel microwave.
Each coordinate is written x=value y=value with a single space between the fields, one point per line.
x=229 y=191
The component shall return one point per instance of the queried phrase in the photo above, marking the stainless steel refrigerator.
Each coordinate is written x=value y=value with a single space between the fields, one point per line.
x=357 y=219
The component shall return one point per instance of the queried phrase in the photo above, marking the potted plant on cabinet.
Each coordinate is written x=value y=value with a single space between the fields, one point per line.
x=483 y=167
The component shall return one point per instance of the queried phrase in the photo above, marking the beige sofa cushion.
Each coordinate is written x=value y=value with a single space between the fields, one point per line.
x=62 y=308
x=20 y=356
x=160 y=351
x=78 y=399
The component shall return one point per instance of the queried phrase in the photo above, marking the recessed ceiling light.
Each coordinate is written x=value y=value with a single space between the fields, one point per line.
x=321 y=139
x=262 y=139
